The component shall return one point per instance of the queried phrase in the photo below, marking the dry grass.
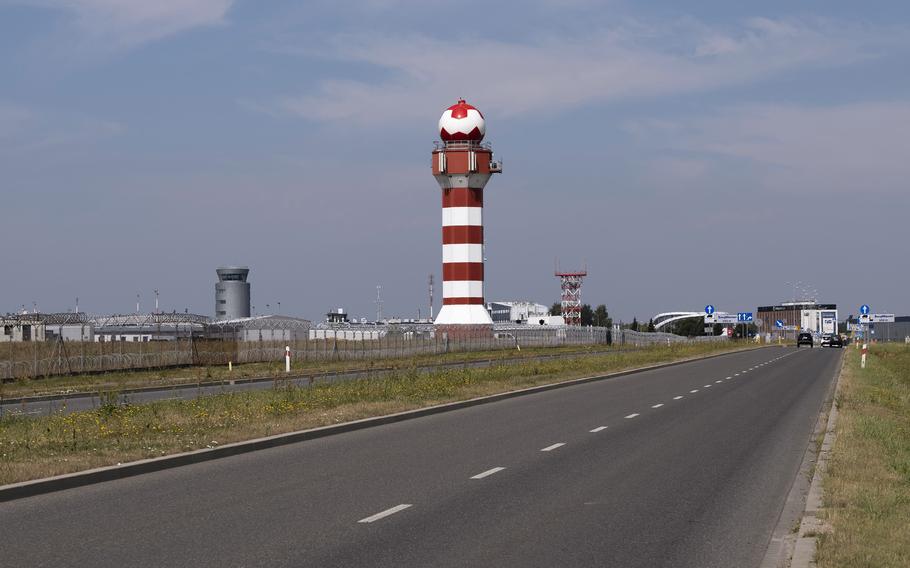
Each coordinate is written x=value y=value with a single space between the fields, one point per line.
x=119 y=380
x=867 y=489
x=40 y=447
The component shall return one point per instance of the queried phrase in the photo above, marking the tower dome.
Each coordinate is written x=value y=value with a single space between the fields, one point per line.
x=461 y=121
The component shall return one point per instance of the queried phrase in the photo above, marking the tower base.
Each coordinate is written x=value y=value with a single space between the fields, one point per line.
x=463 y=314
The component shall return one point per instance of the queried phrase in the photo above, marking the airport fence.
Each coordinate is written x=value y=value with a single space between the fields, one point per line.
x=47 y=359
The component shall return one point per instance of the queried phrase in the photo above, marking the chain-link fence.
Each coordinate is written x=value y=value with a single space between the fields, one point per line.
x=46 y=359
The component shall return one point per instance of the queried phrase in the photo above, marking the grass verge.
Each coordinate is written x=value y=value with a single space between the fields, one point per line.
x=867 y=487
x=32 y=448
x=117 y=380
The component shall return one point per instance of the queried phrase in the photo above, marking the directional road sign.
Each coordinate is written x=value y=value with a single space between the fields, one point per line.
x=864 y=309
x=744 y=316
x=779 y=323
x=709 y=309
x=881 y=318
x=725 y=318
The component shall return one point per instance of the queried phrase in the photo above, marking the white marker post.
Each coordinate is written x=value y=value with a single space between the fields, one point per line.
x=865 y=350
x=287 y=358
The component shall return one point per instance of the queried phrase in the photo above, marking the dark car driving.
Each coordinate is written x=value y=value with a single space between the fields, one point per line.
x=836 y=341
x=804 y=339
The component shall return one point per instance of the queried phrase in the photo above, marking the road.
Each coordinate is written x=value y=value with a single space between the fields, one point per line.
x=683 y=466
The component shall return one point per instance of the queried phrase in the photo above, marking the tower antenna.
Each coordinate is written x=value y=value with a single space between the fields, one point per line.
x=570 y=283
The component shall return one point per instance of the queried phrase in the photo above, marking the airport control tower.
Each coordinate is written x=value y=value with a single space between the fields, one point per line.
x=462 y=164
x=232 y=293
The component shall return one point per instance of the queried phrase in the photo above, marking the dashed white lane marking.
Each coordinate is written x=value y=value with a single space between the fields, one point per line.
x=728 y=378
x=553 y=447
x=718 y=382
x=598 y=429
x=707 y=386
x=657 y=405
x=385 y=513
x=632 y=415
x=487 y=473
x=693 y=391
x=736 y=375
x=677 y=397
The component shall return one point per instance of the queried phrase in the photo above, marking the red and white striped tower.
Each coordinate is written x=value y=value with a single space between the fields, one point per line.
x=462 y=165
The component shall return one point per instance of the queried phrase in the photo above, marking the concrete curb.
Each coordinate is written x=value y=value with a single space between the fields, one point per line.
x=109 y=473
x=811 y=524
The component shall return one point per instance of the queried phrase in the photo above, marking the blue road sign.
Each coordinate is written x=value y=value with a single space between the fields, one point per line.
x=779 y=323
x=864 y=309
x=744 y=316
x=709 y=309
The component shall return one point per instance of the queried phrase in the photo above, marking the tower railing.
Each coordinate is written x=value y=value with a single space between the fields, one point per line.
x=462 y=145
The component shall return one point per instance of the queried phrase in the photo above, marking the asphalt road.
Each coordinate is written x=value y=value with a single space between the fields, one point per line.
x=682 y=466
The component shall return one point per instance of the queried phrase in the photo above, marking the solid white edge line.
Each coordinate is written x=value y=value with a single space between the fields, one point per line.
x=553 y=447
x=385 y=513
x=632 y=415
x=487 y=473
x=598 y=429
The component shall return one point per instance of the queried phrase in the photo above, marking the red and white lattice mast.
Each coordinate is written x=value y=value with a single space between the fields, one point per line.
x=571 y=295
x=462 y=165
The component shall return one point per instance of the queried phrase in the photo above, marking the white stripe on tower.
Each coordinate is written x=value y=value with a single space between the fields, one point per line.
x=462 y=216
x=462 y=253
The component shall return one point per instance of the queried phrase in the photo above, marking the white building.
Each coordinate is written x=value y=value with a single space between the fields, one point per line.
x=519 y=312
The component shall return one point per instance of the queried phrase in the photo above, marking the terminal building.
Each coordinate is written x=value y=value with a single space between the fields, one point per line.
x=800 y=316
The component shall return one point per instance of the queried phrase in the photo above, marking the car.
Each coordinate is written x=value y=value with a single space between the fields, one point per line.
x=804 y=339
x=826 y=340
x=836 y=341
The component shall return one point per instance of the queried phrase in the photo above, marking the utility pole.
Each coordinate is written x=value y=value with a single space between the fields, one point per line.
x=156 y=300
x=431 y=296
x=378 y=304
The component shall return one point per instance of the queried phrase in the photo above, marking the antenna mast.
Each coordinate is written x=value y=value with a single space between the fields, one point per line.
x=431 y=296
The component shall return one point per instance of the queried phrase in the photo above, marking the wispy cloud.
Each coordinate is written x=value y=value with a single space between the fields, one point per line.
x=27 y=129
x=126 y=23
x=857 y=147
x=551 y=74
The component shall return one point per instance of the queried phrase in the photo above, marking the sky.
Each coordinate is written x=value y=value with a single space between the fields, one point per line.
x=686 y=153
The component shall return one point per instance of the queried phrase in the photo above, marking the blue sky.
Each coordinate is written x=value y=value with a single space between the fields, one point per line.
x=690 y=154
